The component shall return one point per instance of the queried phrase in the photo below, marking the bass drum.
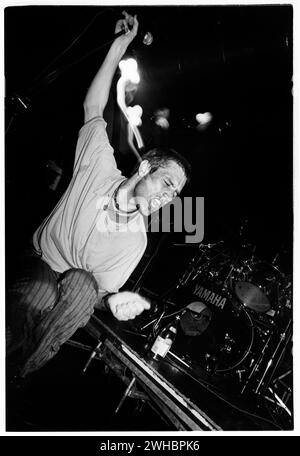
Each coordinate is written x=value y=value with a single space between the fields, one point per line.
x=235 y=336
x=216 y=338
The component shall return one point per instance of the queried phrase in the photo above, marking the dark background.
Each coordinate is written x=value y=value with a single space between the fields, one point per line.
x=233 y=61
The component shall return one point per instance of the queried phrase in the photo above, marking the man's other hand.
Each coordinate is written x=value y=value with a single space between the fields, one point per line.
x=127 y=305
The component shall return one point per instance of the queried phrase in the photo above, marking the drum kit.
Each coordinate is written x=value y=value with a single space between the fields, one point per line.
x=247 y=311
x=235 y=330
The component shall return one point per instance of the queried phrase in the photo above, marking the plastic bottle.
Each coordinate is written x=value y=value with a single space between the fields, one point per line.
x=165 y=339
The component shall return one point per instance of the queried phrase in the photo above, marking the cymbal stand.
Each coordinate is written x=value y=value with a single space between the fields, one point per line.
x=284 y=339
x=192 y=266
x=272 y=363
x=231 y=270
x=209 y=260
x=286 y=395
x=256 y=366
x=225 y=285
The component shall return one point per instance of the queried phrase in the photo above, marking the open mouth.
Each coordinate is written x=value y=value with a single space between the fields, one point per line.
x=155 y=204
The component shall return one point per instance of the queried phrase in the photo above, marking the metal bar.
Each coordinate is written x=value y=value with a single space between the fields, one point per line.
x=95 y=352
x=75 y=344
x=181 y=406
x=284 y=339
x=159 y=406
x=127 y=391
x=190 y=420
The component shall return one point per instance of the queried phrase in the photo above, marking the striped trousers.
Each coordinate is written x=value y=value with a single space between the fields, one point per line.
x=44 y=309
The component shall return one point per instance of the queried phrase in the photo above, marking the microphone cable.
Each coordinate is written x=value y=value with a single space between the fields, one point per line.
x=70 y=45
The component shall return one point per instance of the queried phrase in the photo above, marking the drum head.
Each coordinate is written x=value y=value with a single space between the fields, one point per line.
x=251 y=296
x=196 y=320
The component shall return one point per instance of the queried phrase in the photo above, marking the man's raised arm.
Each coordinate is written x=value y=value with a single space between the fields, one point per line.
x=98 y=92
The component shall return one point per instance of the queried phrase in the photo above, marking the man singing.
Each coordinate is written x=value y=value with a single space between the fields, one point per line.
x=87 y=248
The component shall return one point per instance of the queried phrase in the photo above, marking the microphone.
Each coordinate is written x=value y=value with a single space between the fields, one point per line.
x=145 y=37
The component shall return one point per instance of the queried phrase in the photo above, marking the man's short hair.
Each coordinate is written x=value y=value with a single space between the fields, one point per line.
x=160 y=157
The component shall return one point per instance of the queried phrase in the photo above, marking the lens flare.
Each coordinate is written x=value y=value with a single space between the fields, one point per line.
x=130 y=142
x=129 y=70
x=133 y=114
x=161 y=118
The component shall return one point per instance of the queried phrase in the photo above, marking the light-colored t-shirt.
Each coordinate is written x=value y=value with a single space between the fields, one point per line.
x=82 y=232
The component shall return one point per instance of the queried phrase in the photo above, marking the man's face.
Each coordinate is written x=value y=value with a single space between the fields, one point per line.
x=159 y=188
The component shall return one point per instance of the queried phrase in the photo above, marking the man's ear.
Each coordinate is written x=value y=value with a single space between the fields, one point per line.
x=144 y=168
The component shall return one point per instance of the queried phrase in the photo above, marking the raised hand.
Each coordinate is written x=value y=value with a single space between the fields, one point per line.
x=130 y=26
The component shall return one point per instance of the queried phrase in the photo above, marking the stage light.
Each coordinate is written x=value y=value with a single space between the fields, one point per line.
x=161 y=118
x=129 y=70
x=162 y=122
x=204 y=118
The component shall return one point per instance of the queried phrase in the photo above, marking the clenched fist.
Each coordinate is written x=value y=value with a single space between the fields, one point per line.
x=127 y=305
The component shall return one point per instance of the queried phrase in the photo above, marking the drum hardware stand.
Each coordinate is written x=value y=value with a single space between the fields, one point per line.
x=193 y=265
x=279 y=402
x=156 y=320
x=273 y=396
x=205 y=267
x=228 y=344
x=189 y=270
x=96 y=352
x=263 y=383
x=279 y=379
x=234 y=268
x=225 y=285
x=127 y=393
x=207 y=261
x=240 y=372
x=255 y=367
x=284 y=338
x=210 y=363
x=155 y=328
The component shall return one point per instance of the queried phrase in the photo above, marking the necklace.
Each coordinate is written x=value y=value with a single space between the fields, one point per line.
x=117 y=204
